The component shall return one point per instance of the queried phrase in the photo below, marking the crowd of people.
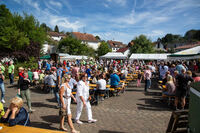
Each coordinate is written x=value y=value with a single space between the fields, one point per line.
x=64 y=78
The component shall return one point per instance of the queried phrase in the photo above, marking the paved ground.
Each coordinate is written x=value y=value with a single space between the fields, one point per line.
x=131 y=112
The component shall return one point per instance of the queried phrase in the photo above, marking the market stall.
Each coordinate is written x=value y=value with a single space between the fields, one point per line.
x=114 y=55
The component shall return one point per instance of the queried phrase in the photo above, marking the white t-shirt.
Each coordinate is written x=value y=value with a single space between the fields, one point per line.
x=102 y=84
x=35 y=76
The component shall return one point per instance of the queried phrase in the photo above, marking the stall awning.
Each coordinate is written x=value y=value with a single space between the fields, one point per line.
x=114 y=55
x=45 y=57
x=148 y=57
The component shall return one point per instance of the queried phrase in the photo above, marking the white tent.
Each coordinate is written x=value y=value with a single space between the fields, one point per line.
x=192 y=53
x=63 y=54
x=148 y=57
x=114 y=55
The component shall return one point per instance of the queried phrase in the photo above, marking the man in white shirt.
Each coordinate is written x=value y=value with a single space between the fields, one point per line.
x=163 y=69
x=101 y=87
x=83 y=100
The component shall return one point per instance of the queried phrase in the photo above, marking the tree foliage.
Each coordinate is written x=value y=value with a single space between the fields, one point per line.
x=103 y=49
x=192 y=35
x=19 y=35
x=141 y=45
x=73 y=46
x=45 y=27
x=56 y=29
x=172 y=39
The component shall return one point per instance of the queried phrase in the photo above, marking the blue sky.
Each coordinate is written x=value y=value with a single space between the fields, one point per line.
x=121 y=20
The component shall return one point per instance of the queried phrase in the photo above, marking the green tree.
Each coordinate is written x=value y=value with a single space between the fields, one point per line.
x=45 y=27
x=103 y=49
x=172 y=39
x=141 y=45
x=56 y=29
x=98 y=38
x=192 y=35
x=19 y=34
x=73 y=46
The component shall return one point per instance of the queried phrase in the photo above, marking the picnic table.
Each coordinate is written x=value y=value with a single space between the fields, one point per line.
x=24 y=129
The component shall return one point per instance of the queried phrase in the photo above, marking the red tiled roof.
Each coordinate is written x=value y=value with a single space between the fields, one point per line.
x=51 y=33
x=188 y=46
x=122 y=49
x=116 y=44
x=84 y=37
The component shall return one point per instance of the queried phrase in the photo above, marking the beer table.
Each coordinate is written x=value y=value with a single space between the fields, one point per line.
x=24 y=129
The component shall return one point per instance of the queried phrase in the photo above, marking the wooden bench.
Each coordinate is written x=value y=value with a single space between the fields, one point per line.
x=178 y=122
x=24 y=129
x=170 y=98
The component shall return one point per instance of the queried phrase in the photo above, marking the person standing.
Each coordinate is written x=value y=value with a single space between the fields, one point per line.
x=23 y=85
x=75 y=70
x=2 y=68
x=65 y=98
x=179 y=67
x=139 y=78
x=30 y=75
x=11 y=69
x=88 y=71
x=51 y=81
x=182 y=88
x=162 y=70
x=83 y=99
x=147 y=78
x=2 y=87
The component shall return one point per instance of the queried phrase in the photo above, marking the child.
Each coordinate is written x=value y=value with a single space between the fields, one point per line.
x=139 y=79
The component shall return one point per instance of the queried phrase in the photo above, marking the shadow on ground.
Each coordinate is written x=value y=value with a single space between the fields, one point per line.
x=52 y=100
x=134 y=90
x=51 y=118
x=41 y=104
x=106 y=131
x=42 y=125
x=154 y=104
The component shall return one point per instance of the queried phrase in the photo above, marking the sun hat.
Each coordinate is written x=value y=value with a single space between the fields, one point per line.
x=21 y=68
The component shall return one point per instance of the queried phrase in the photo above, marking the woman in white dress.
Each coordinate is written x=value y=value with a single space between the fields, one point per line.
x=65 y=98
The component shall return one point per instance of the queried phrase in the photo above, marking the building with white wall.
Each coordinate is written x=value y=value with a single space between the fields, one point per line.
x=115 y=45
x=86 y=38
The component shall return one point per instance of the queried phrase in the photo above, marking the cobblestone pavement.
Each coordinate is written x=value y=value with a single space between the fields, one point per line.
x=131 y=112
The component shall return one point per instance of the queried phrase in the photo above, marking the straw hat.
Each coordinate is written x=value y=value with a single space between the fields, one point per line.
x=21 y=68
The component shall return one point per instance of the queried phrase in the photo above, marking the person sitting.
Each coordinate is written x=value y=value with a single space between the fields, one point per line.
x=16 y=114
x=101 y=87
x=170 y=86
x=114 y=81
x=1 y=110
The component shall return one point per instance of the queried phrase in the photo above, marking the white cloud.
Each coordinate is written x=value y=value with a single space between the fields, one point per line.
x=155 y=33
x=54 y=3
x=105 y=5
x=119 y=2
x=31 y=3
x=62 y=21
x=117 y=36
x=50 y=7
